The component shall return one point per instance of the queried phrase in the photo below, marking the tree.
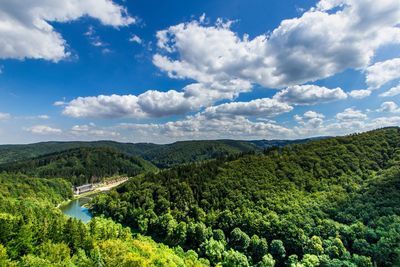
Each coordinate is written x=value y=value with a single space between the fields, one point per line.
x=213 y=250
x=314 y=246
x=219 y=235
x=266 y=261
x=310 y=260
x=278 y=251
x=239 y=240
x=234 y=258
x=258 y=247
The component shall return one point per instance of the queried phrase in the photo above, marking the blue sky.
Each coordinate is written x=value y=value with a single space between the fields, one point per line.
x=162 y=71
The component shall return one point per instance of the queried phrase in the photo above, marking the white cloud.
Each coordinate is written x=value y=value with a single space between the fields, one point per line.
x=43 y=130
x=158 y=104
x=135 y=39
x=309 y=95
x=59 y=103
x=350 y=114
x=359 y=94
x=149 y=104
x=391 y=92
x=259 y=107
x=25 y=31
x=91 y=130
x=43 y=117
x=382 y=72
x=102 y=106
x=310 y=119
x=4 y=116
x=94 y=39
x=389 y=106
x=322 y=42
x=200 y=126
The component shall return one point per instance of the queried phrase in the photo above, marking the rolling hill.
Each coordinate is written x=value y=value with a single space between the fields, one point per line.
x=160 y=155
x=330 y=202
x=81 y=165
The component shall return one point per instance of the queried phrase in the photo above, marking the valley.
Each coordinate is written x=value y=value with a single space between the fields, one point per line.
x=325 y=202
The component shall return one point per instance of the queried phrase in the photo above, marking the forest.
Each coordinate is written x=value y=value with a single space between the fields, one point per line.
x=163 y=156
x=330 y=202
x=33 y=232
x=326 y=202
x=81 y=165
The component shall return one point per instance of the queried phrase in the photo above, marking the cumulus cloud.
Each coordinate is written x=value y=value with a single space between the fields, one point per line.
x=26 y=32
x=310 y=119
x=259 y=107
x=359 y=94
x=309 y=95
x=149 y=104
x=350 y=114
x=383 y=72
x=43 y=130
x=322 y=42
x=391 y=92
x=158 y=104
x=389 y=106
x=91 y=130
x=103 y=106
x=200 y=126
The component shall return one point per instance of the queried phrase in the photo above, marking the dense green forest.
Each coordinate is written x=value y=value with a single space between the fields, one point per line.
x=81 y=165
x=330 y=202
x=33 y=232
x=160 y=155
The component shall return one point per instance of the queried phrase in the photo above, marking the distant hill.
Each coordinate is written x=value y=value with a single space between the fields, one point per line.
x=81 y=165
x=160 y=155
x=263 y=144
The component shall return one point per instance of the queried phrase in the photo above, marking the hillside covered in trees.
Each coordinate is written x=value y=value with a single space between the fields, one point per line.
x=81 y=165
x=330 y=202
x=35 y=233
x=160 y=155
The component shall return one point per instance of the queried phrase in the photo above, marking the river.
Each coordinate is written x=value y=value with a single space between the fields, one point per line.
x=76 y=209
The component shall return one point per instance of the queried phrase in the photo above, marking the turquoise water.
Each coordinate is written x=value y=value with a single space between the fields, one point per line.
x=75 y=209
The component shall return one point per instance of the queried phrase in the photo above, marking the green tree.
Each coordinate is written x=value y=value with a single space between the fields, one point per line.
x=258 y=247
x=234 y=258
x=213 y=250
x=239 y=240
x=278 y=251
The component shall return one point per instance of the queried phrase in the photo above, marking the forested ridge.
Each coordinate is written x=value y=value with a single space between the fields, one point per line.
x=331 y=202
x=81 y=165
x=160 y=155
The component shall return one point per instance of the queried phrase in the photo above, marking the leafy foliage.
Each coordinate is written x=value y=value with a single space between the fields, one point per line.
x=35 y=233
x=160 y=155
x=81 y=165
x=330 y=202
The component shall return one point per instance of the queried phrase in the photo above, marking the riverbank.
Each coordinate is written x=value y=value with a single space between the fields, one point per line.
x=101 y=187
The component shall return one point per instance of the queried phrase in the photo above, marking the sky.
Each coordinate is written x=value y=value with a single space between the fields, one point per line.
x=163 y=71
